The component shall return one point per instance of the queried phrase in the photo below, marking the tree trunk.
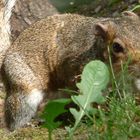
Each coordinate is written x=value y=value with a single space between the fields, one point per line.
x=26 y=12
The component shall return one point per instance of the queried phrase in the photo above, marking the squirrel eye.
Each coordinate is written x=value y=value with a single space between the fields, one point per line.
x=117 y=48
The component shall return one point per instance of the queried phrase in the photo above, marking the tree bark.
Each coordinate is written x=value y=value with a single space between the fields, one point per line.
x=26 y=12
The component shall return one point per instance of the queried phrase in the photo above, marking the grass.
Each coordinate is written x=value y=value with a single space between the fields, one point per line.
x=119 y=118
x=121 y=121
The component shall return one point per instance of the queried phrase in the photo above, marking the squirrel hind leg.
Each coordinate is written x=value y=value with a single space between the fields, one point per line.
x=21 y=107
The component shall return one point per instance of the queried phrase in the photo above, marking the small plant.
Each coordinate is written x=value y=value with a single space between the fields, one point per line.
x=137 y=7
x=94 y=79
x=53 y=109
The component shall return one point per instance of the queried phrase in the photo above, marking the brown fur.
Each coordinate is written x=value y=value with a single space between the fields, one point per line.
x=48 y=55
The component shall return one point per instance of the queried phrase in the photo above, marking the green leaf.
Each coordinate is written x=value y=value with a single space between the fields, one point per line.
x=137 y=7
x=94 y=79
x=53 y=109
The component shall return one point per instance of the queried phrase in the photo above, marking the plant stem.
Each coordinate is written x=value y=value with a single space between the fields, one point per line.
x=112 y=71
x=50 y=135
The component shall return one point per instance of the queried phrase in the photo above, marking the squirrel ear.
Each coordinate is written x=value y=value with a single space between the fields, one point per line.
x=101 y=30
x=105 y=30
x=130 y=14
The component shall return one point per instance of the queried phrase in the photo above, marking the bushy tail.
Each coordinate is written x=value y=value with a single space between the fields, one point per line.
x=5 y=33
x=9 y=4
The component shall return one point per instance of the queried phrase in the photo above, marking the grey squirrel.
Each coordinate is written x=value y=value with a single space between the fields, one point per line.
x=50 y=53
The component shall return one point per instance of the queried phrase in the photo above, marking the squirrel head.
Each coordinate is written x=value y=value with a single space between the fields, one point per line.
x=122 y=37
